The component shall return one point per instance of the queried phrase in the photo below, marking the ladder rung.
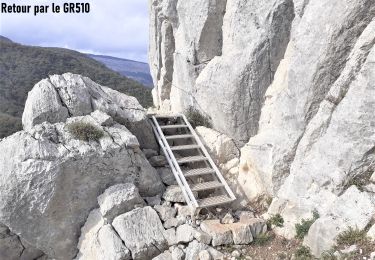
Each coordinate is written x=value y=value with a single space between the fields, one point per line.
x=192 y=159
x=214 y=201
x=166 y=116
x=173 y=126
x=184 y=147
x=206 y=186
x=178 y=136
x=198 y=172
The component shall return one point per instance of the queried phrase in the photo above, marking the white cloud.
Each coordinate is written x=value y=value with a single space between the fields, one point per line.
x=113 y=27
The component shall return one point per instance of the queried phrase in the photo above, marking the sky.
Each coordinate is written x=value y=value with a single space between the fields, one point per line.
x=113 y=27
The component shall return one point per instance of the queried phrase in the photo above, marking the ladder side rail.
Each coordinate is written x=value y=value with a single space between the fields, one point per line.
x=199 y=142
x=174 y=171
x=173 y=159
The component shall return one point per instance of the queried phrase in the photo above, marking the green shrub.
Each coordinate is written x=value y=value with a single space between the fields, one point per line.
x=329 y=255
x=197 y=119
x=85 y=131
x=262 y=239
x=303 y=228
x=275 y=220
x=351 y=236
x=303 y=253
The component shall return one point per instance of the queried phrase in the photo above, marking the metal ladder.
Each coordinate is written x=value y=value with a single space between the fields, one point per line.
x=200 y=180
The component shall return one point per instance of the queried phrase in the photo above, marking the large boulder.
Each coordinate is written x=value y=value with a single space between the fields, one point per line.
x=62 y=96
x=354 y=209
x=99 y=241
x=50 y=180
x=142 y=232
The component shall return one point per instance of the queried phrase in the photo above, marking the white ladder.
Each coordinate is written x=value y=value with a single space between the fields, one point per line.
x=200 y=180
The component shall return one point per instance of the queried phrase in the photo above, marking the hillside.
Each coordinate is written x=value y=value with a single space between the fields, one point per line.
x=139 y=71
x=21 y=67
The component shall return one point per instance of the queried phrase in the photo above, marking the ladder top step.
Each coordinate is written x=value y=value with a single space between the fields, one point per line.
x=173 y=126
x=192 y=159
x=198 y=172
x=206 y=186
x=166 y=116
x=214 y=201
x=184 y=147
x=169 y=137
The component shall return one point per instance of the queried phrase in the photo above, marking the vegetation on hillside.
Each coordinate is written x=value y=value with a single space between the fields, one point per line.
x=21 y=67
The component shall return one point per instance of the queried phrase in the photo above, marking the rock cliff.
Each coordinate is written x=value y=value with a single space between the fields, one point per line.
x=292 y=83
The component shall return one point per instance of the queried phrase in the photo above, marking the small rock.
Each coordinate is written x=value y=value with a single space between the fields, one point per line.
x=164 y=256
x=236 y=253
x=184 y=234
x=174 y=194
x=194 y=248
x=119 y=199
x=158 y=161
x=202 y=237
x=111 y=245
x=167 y=176
x=373 y=177
x=227 y=219
x=177 y=253
x=220 y=234
x=205 y=255
x=102 y=118
x=174 y=222
x=244 y=214
x=153 y=201
x=242 y=234
x=371 y=233
x=184 y=211
x=258 y=226
x=165 y=212
x=150 y=153
x=372 y=256
x=350 y=249
x=170 y=236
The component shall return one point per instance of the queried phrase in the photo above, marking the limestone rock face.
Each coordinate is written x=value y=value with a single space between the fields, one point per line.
x=221 y=147
x=311 y=85
x=208 y=37
x=338 y=143
x=50 y=180
x=62 y=96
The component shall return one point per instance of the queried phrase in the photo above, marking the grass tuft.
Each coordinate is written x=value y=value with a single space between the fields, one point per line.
x=197 y=119
x=275 y=220
x=303 y=253
x=351 y=236
x=262 y=239
x=85 y=131
x=303 y=228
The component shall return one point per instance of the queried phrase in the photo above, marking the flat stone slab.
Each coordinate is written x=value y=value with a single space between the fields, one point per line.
x=142 y=232
x=119 y=199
